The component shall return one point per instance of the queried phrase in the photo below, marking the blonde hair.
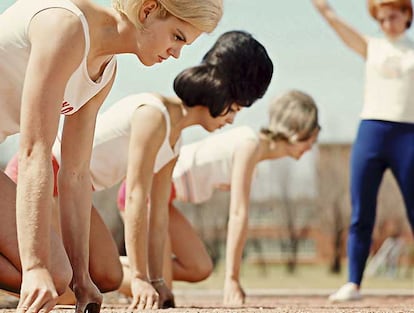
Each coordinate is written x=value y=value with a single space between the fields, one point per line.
x=404 y=5
x=202 y=14
x=293 y=117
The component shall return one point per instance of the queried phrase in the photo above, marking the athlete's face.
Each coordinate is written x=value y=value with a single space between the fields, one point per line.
x=164 y=37
x=212 y=123
x=393 y=21
x=297 y=149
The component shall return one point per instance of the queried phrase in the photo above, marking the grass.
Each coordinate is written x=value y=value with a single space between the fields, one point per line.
x=306 y=277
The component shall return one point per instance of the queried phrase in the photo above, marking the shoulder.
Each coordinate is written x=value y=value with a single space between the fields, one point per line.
x=407 y=42
x=248 y=149
x=145 y=111
x=149 y=119
x=249 y=132
x=140 y=101
x=58 y=32
x=57 y=21
x=376 y=41
x=245 y=136
x=245 y=157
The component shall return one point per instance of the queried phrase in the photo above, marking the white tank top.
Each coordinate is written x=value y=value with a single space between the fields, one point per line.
x=14 y=56
x=206 y=164
x=389 y=80
x=109 y=158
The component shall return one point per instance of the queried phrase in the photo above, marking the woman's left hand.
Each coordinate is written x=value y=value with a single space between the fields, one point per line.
x=166 y=297
x=88 y=298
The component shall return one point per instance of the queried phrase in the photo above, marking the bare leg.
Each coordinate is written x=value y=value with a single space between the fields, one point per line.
x=191 y=260
x=105 y=267
x=125 y=287
x=9 y=274
x=10 y=278
x=104 y=264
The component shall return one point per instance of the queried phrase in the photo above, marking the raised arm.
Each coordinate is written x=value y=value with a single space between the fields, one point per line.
x=57 y=46
x=351 y=37
x=147 y=134
x=244 y=161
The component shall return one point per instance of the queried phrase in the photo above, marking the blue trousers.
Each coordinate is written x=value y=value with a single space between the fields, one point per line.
x=379 y=145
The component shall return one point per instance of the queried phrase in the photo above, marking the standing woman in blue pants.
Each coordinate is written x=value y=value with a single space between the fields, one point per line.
x=385 y=138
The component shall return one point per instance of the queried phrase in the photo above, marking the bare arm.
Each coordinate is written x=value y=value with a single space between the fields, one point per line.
x=348 y=34
x=75 y=194
x=158 y=221
x=158 y=229
x=57 y=45
x=244 y=161
x=147 y=134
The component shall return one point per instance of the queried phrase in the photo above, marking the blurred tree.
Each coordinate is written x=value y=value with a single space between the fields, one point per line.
x=333 y=196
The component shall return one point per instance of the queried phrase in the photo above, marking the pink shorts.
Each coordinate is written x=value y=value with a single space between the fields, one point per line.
x=122 y=194
x=12 y=170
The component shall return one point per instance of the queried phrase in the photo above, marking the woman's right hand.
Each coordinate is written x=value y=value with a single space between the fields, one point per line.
x=38 y=292
x=320 y=4
x=144 y=295
x=234 y=294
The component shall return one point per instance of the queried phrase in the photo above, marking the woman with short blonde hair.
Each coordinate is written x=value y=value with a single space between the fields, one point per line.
x=58 y=57
x=202 y=14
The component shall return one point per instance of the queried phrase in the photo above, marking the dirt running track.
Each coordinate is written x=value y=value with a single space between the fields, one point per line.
x=188 y=302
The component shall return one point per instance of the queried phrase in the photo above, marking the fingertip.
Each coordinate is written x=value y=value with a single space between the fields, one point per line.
x=48 y=306
x=131 y=307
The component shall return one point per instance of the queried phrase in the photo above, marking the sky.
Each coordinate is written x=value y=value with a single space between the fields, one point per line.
x=306 y=53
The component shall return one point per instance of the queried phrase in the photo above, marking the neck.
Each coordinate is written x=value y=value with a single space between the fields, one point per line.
x=181 y=116
x=395 y=38
x=272 y=149
x=114 y=33
x=189 y=117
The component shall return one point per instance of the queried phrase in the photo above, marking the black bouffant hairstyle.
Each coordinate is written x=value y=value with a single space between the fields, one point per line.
x=237 y=69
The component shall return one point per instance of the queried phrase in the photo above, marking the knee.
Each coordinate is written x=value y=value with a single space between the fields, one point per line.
x=62 y=280
x=108 y=279
x=201 y=270
x=113 y=280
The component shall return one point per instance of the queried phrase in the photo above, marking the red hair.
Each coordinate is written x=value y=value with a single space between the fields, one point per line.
x=404 y=5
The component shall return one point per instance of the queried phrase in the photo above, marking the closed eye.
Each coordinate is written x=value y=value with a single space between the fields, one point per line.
x=180 y=36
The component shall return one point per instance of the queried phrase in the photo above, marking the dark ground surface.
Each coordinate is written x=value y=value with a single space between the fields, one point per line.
x=260 y=301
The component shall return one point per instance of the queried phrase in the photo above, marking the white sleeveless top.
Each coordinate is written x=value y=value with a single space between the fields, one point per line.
x=14 y=56
x=389 y=80
x=206 y=164
x=109 y=158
